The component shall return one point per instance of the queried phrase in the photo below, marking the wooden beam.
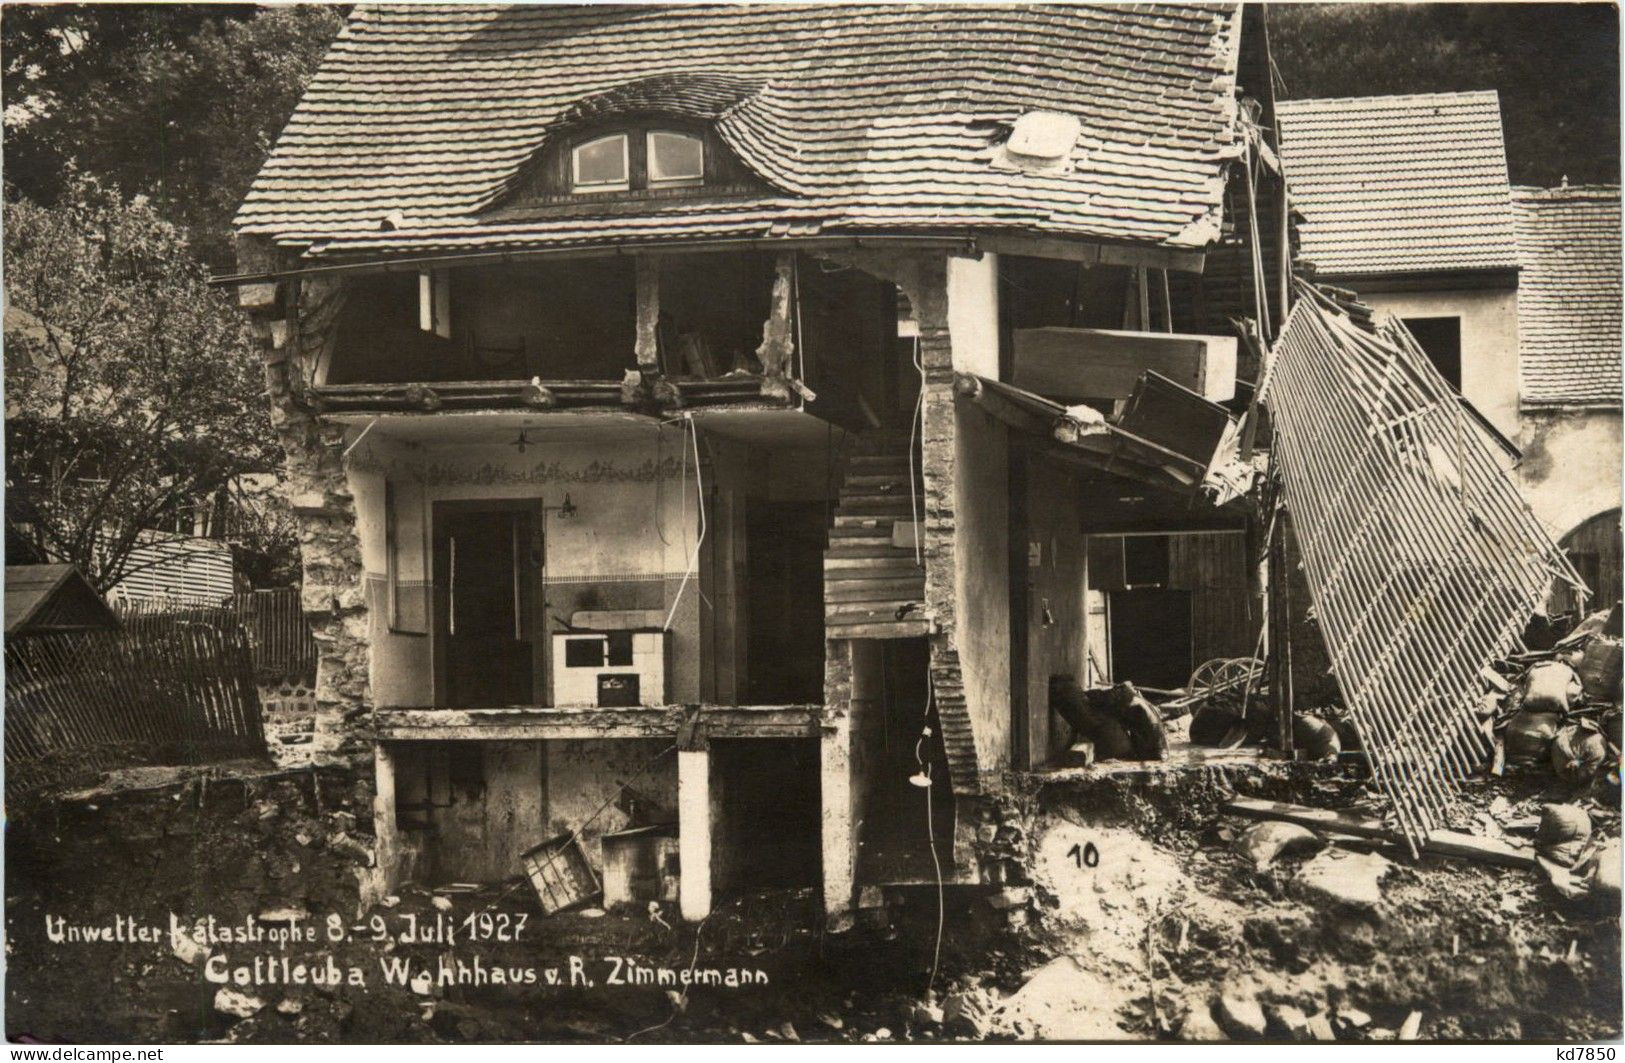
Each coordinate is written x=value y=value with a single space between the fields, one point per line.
x=1182 y=260
x=1439 y=842
x=521 y=723
x=647 y=346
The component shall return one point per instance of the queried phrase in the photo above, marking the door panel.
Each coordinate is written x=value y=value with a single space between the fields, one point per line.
x=485 y=573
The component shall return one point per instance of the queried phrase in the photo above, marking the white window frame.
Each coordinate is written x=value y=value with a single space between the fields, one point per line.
x=649 y=160
x=576 y=184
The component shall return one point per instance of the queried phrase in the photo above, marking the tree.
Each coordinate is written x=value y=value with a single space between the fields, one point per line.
x=177 y=102
x=1556 y=67
x=132 y=388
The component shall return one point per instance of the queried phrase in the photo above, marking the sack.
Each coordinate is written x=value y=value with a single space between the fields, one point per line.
x=1550 y=686
x=1564 y=831
x=1315 y=738
x=1529 y=735
x=1579 y=752
x=1600 y=669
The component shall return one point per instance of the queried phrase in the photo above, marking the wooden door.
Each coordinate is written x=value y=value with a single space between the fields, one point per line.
x=487 y=564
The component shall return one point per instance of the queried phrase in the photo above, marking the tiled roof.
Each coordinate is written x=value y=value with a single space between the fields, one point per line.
x=860 y=118
x=1399 y=184
x=1569 y=294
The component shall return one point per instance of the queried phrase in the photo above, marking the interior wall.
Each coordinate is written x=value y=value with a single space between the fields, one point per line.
x=626 y=547
x=484 y=802
x=1057 y=562
x=583 y=774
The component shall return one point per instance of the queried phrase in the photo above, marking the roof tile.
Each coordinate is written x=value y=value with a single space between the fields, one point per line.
x=1569 y=295
x=1399 y=184
x=861 y=117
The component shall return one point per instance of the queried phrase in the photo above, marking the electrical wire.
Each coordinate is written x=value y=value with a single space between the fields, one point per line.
x=682 y=998
x=699 y=488
x=931 y=836
x=916 y=426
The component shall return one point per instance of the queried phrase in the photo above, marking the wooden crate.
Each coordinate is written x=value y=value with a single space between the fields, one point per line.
x=561 y=874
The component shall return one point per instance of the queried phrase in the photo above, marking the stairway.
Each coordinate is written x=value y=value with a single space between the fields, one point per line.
x=873 y=586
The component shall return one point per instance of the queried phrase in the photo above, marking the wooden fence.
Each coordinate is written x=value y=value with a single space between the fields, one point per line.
x=273 y=621
x=162 y=690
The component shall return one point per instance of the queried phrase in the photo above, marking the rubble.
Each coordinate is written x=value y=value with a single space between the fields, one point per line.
x=1263 y=843
x=1353 y=880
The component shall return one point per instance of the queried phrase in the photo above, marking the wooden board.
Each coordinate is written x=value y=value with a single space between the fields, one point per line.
x=1440 y=842
x=1069 y=364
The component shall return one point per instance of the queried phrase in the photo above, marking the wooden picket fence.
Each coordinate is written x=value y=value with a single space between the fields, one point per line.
x=174 y=688
x=279 y=638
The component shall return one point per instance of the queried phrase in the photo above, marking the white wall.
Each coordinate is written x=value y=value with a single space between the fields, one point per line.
x=633 y=533
x=1570 y=470
x=1489 y=343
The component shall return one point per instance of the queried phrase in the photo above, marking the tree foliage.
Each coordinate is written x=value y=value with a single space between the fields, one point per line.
x=177 y=102
x=132 y=390
x=1555 y=65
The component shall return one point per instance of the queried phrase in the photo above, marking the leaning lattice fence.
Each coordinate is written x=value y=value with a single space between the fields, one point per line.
x=1423 y=560
x=284 y=651
x=165 y=689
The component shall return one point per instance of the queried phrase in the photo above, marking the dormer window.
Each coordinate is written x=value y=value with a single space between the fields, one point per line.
x=601 y=165
x=676 y=160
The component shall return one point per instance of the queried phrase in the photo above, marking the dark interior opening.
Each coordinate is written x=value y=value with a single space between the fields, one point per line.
x=711 y=313
x=784 y=553
x=1050 y=293
x=898 y=817
x=1151 y=636
x=765 y=815
x=1440 y=337
x=572 y=320
x=485 y=565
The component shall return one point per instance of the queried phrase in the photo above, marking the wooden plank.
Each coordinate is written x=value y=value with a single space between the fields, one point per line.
x=903 y=629
x=874 y=590
x=1439 y=842
x=1069 y=364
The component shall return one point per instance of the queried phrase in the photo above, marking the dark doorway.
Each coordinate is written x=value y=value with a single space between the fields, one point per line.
x=1440 y=337
x=487 y=559
x=766 y=813
x=785 y=602
x=1151 y=636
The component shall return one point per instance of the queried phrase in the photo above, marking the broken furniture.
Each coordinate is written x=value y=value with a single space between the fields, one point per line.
x=641 y=864
x=561 y=874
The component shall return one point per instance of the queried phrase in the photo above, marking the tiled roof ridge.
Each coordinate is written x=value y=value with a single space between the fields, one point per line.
x=1560 y=192
x=1393 y=100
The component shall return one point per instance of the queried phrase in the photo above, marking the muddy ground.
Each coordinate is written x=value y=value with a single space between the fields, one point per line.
x=1156 y=926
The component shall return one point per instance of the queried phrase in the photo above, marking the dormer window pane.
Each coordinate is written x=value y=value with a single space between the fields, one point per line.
x=675 y=159
x=600 y=165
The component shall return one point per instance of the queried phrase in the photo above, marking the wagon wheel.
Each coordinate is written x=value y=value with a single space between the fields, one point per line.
x=1224 y=676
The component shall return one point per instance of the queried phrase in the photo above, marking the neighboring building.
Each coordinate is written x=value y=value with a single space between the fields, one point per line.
x=165 y=567
x=1405 y=200
x=1514 y=294
x=51 y=600
x=765 y=381
x=1569 y=344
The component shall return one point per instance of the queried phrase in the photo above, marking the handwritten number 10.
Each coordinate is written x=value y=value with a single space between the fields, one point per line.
x=1088 y=856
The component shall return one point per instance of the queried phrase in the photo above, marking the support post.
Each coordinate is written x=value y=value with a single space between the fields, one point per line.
x=386 y=836
x=835 y=797
x=694 y=832
x=647 y=268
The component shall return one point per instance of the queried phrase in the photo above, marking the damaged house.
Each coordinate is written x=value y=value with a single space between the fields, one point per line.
x=714 y=431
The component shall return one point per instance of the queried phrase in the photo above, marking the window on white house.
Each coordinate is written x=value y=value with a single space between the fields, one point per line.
x=675 y=159
x=600 y=165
